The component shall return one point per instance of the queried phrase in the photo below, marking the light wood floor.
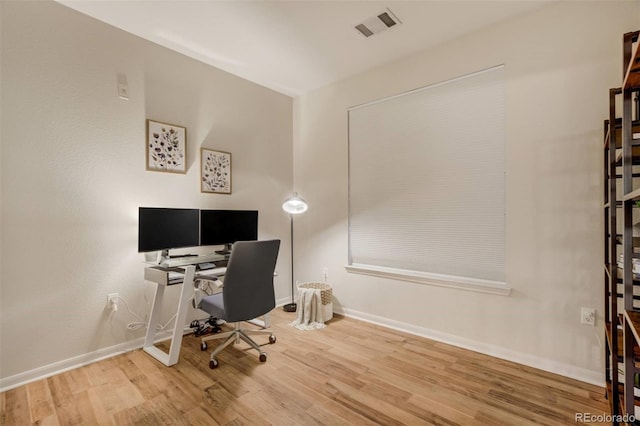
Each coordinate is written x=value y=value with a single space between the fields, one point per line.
x=350 y=373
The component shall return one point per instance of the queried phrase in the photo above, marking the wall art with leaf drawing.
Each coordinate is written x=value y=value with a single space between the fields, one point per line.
x=166 y=147
x=215 y=171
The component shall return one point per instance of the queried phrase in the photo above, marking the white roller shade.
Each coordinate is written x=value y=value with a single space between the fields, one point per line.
x=427 y=180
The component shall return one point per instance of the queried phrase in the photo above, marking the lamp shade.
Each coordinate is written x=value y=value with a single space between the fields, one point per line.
x=295 y=205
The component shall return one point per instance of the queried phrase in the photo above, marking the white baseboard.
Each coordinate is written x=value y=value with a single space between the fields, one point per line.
x=283 y=301
x=49 y=370
x=581 y=374
x=584 y=375
x=75 y=362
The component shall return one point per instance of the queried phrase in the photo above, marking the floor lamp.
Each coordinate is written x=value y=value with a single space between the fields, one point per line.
x=293 y=205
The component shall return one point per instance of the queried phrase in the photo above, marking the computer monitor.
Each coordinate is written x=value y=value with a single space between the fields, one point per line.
x=225 y=227
x=167 y=228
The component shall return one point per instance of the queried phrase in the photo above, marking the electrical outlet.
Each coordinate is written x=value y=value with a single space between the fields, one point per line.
x=112 y=301
x=325 y=274
x=588 y=316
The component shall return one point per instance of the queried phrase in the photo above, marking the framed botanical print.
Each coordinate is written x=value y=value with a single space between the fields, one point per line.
x=166 y=147
x=215 y=171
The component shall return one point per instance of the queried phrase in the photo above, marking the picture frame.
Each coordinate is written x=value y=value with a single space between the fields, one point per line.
x=215 y=171
x=166 y=147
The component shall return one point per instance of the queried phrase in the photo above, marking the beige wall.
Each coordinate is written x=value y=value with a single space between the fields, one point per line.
x=560 y=63
x=73 y=175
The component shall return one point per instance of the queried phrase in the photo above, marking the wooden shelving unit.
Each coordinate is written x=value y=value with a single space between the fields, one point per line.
x=613 y=281
x=622 y=150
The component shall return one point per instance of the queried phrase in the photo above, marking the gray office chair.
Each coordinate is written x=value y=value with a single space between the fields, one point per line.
x=247 y=294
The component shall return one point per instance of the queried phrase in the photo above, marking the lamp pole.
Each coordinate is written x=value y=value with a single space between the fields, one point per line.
x=293 y=205
x=291 y=307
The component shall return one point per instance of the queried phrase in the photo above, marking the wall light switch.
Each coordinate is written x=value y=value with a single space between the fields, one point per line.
x=123 y=87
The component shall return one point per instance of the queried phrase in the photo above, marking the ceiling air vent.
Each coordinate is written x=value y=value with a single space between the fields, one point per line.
x=378 y=23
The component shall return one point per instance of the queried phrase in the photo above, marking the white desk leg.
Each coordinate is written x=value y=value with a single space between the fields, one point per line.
x=265 y=322
x=156 y=308
x=181 y=315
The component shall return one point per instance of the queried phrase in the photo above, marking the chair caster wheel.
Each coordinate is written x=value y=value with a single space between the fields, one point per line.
x=203 y=346
x=213 y=364
x=263 y=357
x=272 y=339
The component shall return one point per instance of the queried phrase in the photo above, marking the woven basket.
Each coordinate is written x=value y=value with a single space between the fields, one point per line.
x=326 y=294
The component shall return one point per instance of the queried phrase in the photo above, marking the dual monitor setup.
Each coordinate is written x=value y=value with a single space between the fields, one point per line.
x=162 y=229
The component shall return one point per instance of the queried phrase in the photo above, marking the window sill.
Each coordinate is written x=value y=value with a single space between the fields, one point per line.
x=469 y=284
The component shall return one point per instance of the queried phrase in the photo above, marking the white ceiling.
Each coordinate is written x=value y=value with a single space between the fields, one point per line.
x=297 y=46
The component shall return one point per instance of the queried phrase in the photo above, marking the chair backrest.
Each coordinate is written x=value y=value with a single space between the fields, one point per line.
x=248 y=282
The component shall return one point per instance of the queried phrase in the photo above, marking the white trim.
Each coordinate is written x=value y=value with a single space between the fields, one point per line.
x=75 y=362
x=470 y=284
x=582 y=374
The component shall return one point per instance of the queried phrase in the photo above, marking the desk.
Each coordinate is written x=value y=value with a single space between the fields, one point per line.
x=160 y=276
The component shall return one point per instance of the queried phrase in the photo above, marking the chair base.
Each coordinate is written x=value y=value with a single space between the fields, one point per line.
x=234 y=336
x=290 y=307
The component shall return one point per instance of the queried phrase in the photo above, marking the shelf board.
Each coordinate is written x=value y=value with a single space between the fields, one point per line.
x=619 y=204
x=632 y=79
x=619 y=341
x=635 y=282
x=620 y=296
x=631 y=61
x=635 y=143
x=633 y=318
x=635 y=130
x=633 y=195
x=635 y=175
x=635 y=153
